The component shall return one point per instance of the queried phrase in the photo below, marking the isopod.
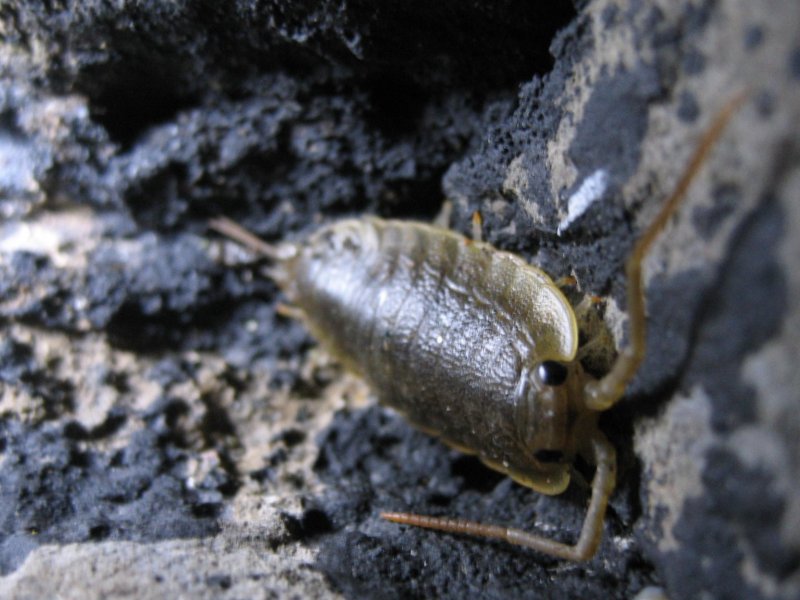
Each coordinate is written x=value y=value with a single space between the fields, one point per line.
x=471 y=344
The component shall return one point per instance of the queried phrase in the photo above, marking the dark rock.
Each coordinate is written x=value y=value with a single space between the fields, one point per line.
x=158 y=413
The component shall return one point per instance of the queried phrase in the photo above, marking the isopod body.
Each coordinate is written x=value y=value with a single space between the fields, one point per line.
x=449 y=332
x=471 y=344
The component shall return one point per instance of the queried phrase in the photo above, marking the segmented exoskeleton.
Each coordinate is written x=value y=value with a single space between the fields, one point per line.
x=471 y=344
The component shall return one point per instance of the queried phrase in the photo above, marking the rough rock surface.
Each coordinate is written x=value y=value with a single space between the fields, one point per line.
x=163 y=430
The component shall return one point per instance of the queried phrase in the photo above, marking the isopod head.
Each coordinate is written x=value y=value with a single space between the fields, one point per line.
x=548 y=415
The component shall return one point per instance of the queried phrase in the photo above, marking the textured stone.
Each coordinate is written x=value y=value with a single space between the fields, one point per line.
x=209 y=568
x=163 y=430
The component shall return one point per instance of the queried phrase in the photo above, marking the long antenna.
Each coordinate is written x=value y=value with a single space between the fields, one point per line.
x=246 y=238
x=604 y=393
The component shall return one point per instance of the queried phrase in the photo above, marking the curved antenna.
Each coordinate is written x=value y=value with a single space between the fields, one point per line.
x=603 y=455
x=248 y=239
x=604 y=393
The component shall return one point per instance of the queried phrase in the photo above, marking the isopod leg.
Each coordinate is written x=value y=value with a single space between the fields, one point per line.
x=477 y=227
x=445 y=213
x=567 y=281
x=290 y=312
x=602 y=485
x=604 y=393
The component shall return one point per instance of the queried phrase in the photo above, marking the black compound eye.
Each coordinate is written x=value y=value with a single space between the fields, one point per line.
x=548 y=456
x=551 y=372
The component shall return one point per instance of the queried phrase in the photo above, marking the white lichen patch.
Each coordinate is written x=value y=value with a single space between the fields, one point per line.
x=776 y=379
x=65 y=237
x=672 y=447
x=589 y=192
x=770 y=443
x=168 y=569
x=17 y=166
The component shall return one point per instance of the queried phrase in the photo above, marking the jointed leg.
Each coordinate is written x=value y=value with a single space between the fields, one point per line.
x=477 y=226
x=565 y=282
x=290 y=312
x=602 y=485
x=445 y=213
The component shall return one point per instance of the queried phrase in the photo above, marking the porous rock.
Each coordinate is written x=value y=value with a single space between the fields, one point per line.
x=164 y=430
